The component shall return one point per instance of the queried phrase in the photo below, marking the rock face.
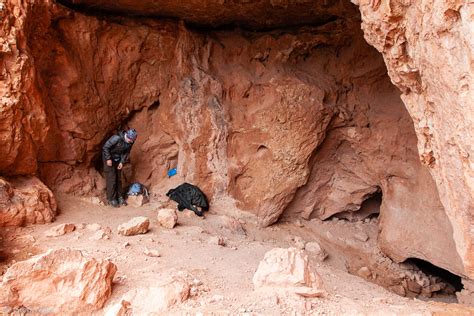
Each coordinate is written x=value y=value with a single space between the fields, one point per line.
x=288 y=269
x=25 y=201
x=60 y=281
x=300 y=122
x=426 y=55
x=260 y=14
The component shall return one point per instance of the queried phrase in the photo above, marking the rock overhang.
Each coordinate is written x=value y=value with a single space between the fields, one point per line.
x=256 y=15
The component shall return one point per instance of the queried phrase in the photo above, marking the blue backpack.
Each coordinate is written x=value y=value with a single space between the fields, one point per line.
x=137 y=189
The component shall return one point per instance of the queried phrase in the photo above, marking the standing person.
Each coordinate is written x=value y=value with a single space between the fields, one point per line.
x=115 y=154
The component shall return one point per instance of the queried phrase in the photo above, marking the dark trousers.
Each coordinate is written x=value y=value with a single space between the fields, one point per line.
x=113 y=180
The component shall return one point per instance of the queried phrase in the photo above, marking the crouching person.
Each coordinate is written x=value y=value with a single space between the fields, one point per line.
x=115 y=153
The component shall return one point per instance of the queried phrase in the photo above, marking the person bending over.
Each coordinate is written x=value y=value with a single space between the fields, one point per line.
x=115 y=153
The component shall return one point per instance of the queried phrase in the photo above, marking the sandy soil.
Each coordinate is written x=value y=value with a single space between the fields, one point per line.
x=222 y=274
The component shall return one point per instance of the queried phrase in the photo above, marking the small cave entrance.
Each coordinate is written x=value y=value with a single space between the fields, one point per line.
x=432 y=282
x=370 y=208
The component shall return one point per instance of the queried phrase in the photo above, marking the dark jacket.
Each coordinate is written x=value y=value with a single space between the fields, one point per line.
x=188 y=196
x=116 y=148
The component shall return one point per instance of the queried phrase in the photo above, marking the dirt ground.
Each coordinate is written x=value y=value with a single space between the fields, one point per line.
x=222 y=274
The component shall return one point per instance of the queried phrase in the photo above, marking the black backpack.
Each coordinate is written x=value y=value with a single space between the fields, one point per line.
x=189 y=196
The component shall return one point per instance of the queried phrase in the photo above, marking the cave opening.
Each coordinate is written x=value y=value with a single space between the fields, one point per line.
x=441 y=281
x=369 y=208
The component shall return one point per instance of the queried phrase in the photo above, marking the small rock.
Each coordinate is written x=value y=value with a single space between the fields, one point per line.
x=95 y=200
x=299 y=223
x=135 y=226
x=298 y=242
x=167 y=217
x=361 y=236
x=315 y=249
x=60 y=230
x=125 y=245
x=217 y=240
x=151 y=253
x=364 y=272
x=93 y=227
x=119 y=309
x=136 y=200
x=102 y=234
x=216 y=298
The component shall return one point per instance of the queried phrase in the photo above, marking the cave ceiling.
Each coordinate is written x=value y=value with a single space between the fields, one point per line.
x=254 y=15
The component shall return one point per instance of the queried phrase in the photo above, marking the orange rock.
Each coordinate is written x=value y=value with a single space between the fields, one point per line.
x=57 y=282
x=135 y=226
x=26 y=201
x=60 y=230
x=167 y=217
x=288 y=269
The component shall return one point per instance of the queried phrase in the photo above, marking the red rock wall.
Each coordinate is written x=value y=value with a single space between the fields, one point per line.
x=297 y=122
x=428 y=51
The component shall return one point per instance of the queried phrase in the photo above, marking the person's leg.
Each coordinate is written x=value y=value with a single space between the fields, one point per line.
x=120 y=198
x=110 y=184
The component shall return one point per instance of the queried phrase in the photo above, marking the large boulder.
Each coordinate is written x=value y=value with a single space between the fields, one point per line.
x=158 y=298
x=60 y=281
x=289 y=270
x=26 y=201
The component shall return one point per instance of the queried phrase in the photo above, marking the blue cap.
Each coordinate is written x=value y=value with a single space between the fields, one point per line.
x=132 y=134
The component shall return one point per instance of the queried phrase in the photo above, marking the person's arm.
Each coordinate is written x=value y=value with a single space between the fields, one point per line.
x=111 y=142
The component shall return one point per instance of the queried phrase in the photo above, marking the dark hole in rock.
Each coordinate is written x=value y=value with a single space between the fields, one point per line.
x=370 y=208
x=442 y=283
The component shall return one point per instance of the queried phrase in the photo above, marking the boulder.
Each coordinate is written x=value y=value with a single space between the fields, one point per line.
x=158 y=298
x=167 y=217
x=119 y=309
x=135 y=226
x=136 y=200
x=60 y=230
x=288 y=270
x=26 y=201
x=315 y=249
x=58 y=282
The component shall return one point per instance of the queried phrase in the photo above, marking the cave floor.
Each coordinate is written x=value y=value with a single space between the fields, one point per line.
x=223 y=274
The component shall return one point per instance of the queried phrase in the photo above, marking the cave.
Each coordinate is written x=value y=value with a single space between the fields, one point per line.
x=450 y=282
x=324 y=120
x=370 y=208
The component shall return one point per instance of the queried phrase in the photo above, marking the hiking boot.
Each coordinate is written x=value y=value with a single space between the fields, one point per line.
x=114 y=203
x=121 y=201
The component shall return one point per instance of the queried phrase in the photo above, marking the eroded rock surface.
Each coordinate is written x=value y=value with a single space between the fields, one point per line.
x=26 y=201
x=59 y=281
x=426 y=52
x=299 y=122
